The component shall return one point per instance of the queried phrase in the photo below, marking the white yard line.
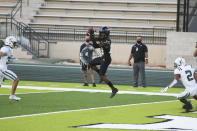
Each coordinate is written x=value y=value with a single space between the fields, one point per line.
x=91 y=90
x=32 y=93
x=21 y=116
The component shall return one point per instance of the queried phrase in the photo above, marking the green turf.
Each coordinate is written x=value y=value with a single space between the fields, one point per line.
x=137 y=114
x=99 y=86
x=35 y=103
x=50 y=102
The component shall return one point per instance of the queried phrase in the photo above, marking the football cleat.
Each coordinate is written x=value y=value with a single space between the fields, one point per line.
x=114 y=91
x=85 y=84
x=93 y=84
x=13 y=97
x=188 y=107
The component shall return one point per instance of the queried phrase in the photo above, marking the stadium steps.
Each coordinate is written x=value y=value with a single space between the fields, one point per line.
x=113 y=3
x=6 y=8
x=86 y=20
x=140 y=15
x=8 y=1
x=117 y=27
x=157 y=13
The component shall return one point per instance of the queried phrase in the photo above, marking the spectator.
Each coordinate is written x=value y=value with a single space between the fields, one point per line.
x=86 y=51
x=139 y=52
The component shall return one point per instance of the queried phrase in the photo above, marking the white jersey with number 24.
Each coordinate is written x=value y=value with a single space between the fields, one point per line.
x=187 y=76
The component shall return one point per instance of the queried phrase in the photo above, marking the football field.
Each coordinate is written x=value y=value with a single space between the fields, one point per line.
x=56 y=106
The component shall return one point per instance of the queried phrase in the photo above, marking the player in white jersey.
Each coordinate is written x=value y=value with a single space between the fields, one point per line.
x=188 y=77
x=6 y=52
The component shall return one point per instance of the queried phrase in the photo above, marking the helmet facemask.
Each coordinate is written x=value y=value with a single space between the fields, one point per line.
x=179 y=62
x=175 y=65
x=11 y=42
x=104 y=32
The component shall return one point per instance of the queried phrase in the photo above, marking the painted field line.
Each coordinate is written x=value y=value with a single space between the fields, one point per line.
x=106 y=107
x=92 y=90
x=33 y=93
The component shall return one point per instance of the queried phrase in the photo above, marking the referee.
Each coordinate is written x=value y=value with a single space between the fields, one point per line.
x=139 y=52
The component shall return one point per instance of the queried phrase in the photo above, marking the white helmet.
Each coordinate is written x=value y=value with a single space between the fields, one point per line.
x=10 y=41
x=180 y=61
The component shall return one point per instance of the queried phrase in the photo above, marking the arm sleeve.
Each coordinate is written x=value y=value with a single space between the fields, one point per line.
x=145 y=48
x=172 y=83
x=132 y=50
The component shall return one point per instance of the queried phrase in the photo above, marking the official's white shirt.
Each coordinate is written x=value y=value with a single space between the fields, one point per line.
x=4 y=59
x=187 y=76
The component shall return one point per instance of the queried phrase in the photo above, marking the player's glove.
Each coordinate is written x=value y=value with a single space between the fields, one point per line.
x=164 y=89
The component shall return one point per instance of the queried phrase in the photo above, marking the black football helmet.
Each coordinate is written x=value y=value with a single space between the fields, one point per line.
x=105 y=30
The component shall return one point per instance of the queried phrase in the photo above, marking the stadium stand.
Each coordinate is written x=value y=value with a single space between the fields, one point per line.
x=131 y=15
x=55 y=21
x=6 y=7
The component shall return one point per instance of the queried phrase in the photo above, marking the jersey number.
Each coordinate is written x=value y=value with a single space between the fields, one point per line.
x=86 y=54
x=189 y=75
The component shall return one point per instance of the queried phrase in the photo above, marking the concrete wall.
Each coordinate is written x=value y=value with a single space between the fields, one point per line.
x=120 y=52
x=20 y=53
x=180 y=44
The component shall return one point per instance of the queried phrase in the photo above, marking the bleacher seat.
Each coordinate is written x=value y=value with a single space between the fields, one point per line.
x=6 y=8
x=118 y=14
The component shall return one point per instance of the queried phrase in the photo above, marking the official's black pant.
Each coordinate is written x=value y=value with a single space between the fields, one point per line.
x=139 y=67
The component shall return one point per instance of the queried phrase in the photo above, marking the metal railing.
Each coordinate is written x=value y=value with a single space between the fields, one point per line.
x=186 y=15
x=30 y=40
x=156 y=35
x=17 y=7
x=33 y=42
x=15 y=10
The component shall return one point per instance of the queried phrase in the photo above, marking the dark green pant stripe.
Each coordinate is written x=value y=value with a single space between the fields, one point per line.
x=10 y=76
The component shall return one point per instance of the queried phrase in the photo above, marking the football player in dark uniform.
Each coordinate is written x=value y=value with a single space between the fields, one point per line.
x=104 y=42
